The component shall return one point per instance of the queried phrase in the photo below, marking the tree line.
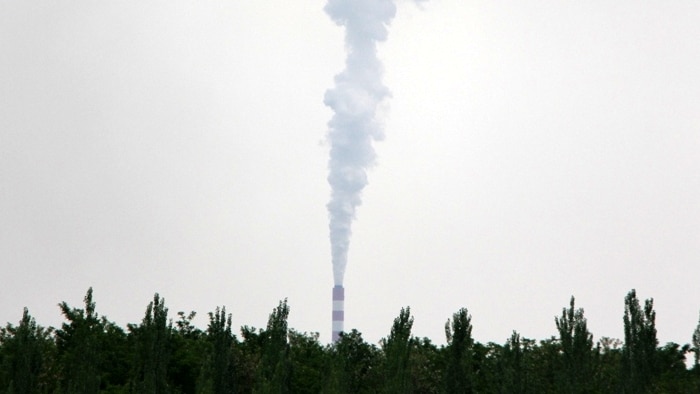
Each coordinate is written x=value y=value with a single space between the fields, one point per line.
x=90 y=354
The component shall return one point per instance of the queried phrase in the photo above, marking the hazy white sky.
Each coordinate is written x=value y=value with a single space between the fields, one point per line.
x=533 y=151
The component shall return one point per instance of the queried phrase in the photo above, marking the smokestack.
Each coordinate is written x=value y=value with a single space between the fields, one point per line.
x=338 y=311
x=355 y=100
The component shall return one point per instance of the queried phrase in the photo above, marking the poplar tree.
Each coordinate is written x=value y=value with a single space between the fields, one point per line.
x=577 y=346
x=397 y=350
x=696 y=346
x=153 y=347
x=218 y=374
x=80 y=347
x=189 y=352
x=25 y=356
x=354 y=365
x=309 y=362
x=512 y=371
x=639 y=349
x=275 y=367
x=458 y=376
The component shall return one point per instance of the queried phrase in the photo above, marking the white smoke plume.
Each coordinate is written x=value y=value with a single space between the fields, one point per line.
x=357 y=93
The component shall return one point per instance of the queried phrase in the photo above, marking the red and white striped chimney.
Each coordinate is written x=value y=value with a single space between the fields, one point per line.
x=338 y=311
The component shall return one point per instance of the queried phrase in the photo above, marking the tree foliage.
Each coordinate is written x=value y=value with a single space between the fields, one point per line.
x=397 y=350
x=458 y=377
x=26 y=356
x=153 y=347
x=576 y=347
x=355 y=365
x=696 y=346
x=218 y=367
x=639 y=350
x=90 y=354
x=275 y=368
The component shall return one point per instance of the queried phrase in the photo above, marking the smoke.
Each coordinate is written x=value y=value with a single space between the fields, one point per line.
x=354 y=100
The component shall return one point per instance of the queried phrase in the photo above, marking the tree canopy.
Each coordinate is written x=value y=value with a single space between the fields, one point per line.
x=90 y=354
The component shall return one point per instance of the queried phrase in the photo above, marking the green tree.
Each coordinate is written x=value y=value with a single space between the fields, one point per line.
x=87 y=365
x=540 y=362
x=512 y=379
x=639 y=350
x=26 y=354
x=458 y=376
x=696 y=346
x=672 y=375
x=695 y=372
x=116 y=359
x=218 y=372
x=397 y=349
x=485 y=364
x=577 y=346
x=309 y=362
x=153 y=347
x=606 y=365
x=354 y=365
x=248 y=356
x=275 y=366
x=427 y=367
x=188 y=352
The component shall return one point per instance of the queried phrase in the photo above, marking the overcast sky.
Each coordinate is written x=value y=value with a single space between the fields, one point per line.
x=534 y=150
